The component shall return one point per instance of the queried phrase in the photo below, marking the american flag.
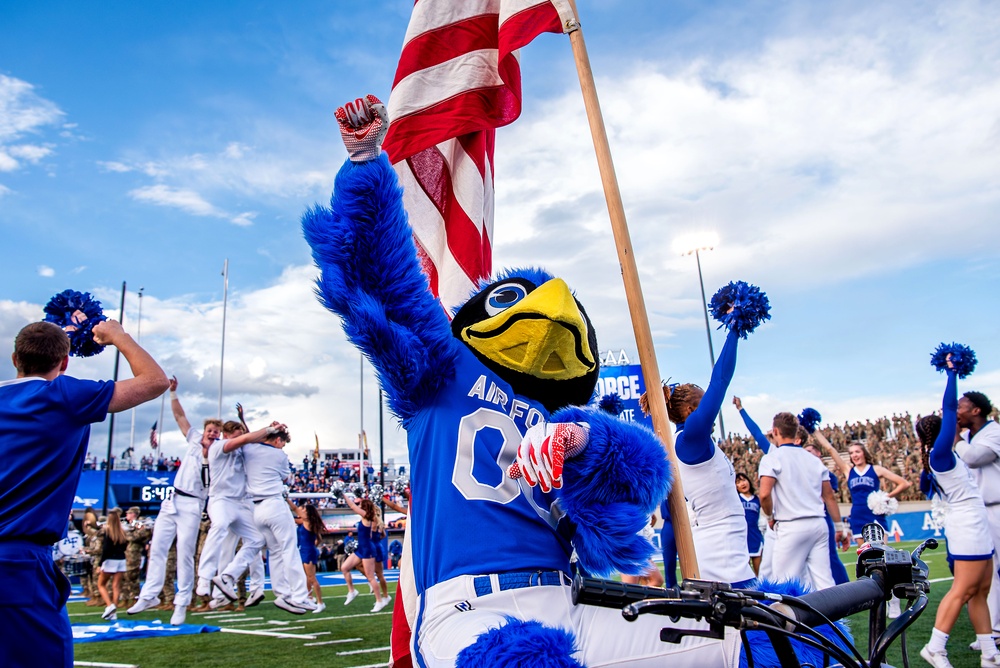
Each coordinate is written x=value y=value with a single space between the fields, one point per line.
x=458 y=80
x=154 y=442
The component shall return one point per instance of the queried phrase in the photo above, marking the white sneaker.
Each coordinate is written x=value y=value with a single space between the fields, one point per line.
x=351 y=595
x=255 y=597
x=143 y=604
x=992 y=661
x=204 y=587
x=287 y=606
x=307 y=604
x=110 y=613
x=379 y=604
x=224 y=583
x=218 y=600
x=180 y=614
x=936 y=659
x=319 y=608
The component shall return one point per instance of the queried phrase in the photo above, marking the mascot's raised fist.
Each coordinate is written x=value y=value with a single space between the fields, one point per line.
x=543 y=451
x=363 y=124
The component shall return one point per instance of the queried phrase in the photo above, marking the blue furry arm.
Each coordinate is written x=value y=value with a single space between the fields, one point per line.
x=755 y=431
x=611 y=489
x=942 y=455
x=371 y=278
x=696 y=446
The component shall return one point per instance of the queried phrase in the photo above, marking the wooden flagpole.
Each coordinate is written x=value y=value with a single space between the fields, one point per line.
x=633 y=292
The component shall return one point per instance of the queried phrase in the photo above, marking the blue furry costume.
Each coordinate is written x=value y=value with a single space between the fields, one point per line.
x=491 y=555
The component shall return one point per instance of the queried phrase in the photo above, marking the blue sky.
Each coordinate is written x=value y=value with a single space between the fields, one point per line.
x=847 y=157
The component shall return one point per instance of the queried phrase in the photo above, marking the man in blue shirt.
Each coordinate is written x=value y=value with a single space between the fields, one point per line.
x=45 y=419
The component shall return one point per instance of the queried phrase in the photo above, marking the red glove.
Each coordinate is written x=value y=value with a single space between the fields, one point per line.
x=363 y=124
x=543 y=450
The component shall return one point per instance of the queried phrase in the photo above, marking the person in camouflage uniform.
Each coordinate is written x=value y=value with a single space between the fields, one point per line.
x=87 y=579
x=139 y=534
x=94 y=542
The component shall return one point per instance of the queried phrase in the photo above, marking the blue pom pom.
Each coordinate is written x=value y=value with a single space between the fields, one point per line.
x=524 y=643
x=611 y=403
x=77 y=313
x=963 y=358
x=810 y=419
x=750 y=307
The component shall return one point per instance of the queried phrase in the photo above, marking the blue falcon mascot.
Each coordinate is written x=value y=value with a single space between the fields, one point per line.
x=511 y=475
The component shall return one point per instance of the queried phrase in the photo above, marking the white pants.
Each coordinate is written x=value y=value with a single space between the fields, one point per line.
x=230 y=518
x=767 y=555
x=274 y=521
x=802 y=546
x=993 y=599
x=179 y=518
x=452 y=617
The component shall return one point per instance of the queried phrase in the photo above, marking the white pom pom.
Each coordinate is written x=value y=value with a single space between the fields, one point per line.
x=881 y=503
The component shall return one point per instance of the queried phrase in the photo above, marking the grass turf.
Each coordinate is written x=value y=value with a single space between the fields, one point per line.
x=355 y=637
x=358 y=638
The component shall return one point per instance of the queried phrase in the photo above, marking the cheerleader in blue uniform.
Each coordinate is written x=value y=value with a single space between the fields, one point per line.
x=966 y=525
x=364 y=554
x=751 y=507
x=863 y=478
x=308 y=534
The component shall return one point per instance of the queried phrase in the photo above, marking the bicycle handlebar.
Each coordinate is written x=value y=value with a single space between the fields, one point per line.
x=836 y=602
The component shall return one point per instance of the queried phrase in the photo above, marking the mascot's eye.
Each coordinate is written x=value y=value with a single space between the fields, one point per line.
x=503 y=297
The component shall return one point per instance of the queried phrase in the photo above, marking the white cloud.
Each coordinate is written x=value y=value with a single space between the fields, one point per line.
x=188 y=201
x=23 y=111
x=46 y=272
x=823 y=148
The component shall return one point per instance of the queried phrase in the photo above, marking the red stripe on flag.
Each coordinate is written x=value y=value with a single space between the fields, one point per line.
x=442 y=44
x=464 y=240
x=458 y=79
x=520 y=28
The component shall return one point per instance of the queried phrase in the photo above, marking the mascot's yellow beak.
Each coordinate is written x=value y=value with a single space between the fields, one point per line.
x=543 y=335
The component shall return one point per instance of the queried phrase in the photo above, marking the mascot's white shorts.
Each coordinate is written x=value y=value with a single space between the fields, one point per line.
x=452 y=615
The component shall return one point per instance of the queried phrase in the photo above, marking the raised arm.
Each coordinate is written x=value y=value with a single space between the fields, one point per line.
x=349 y=499
x=148 y=380
x=395 y=506
x=755 y=431
x=942 y=455
x=698 y=426
x=177 y=409
x=253 y=437
x=370 y=274
x=845 y=467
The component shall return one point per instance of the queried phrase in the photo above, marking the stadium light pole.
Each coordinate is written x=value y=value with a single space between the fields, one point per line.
x=222 y=352
x=138 y=339
x=705 y=243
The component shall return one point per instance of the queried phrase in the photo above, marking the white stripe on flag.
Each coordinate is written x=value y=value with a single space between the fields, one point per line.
x=431 y=85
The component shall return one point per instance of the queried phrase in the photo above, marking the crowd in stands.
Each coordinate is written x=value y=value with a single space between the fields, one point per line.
x=892 y=443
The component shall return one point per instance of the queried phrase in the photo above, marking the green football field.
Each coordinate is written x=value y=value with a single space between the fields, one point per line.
x=350 y=636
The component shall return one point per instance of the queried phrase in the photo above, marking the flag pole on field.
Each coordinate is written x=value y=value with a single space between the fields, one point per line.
x=633 y=293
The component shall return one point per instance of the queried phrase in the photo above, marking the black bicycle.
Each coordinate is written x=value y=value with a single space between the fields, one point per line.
x=881 y=571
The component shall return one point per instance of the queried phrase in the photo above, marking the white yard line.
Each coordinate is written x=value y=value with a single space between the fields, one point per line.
x=364 y=651
x=98 y=664
x=271 y=634
x=330 y=642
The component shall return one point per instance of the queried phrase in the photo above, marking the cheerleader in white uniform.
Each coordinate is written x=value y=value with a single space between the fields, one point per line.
x=966 y=530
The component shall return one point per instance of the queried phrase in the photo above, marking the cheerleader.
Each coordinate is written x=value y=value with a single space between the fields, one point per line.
x=112 y=563
x=364 y=554
x=763 y=565
x=966 y=529
x=751 y=507
x=863 y=478
x=837 y=568
x=308 y=534
x=718 y=524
